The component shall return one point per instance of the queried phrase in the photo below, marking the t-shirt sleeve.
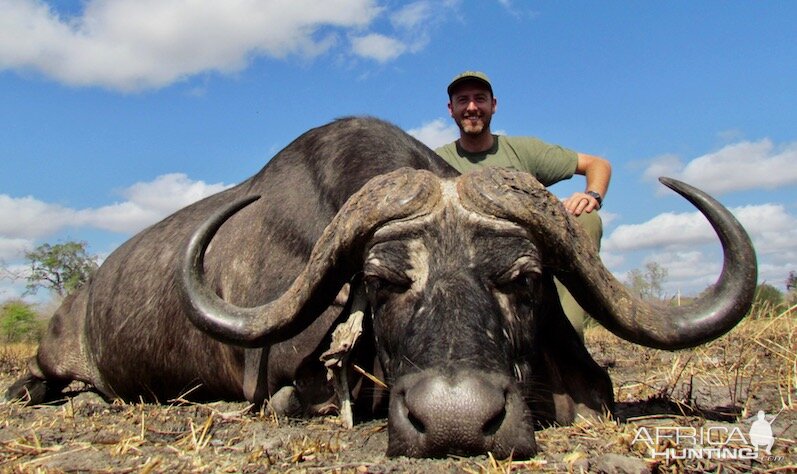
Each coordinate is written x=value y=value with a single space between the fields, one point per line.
x=548 y=163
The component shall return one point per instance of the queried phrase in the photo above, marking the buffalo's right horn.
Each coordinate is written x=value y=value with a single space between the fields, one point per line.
x=401 y=194
x=518 y=197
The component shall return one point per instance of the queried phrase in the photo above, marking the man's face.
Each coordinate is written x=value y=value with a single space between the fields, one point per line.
x=472 y=107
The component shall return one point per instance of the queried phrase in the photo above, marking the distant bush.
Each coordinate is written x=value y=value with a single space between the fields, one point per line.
x=19 y=322
x=767 y=297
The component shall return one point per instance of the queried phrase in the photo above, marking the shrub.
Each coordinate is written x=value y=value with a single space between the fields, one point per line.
x=19 y=322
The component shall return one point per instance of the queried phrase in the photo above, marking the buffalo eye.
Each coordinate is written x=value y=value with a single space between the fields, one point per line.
x=520 y=277
x=381 y=282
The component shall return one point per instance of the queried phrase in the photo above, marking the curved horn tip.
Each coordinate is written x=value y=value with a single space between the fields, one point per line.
x=667 y=181
x=674 y=184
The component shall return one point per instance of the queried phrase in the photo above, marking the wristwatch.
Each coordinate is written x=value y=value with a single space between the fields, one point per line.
x=596 y=196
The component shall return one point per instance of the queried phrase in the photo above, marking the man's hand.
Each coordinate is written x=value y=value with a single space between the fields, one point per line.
x=581 y=202
x=598 y=173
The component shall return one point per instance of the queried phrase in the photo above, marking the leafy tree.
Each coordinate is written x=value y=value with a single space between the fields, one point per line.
x=61 y=268
x=650 y=283
x=18 y=321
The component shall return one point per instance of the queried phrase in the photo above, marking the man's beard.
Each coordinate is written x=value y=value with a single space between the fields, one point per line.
x=474 y=128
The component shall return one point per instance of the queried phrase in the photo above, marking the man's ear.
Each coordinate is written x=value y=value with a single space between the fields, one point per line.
x=495 y=104
x=450 y=110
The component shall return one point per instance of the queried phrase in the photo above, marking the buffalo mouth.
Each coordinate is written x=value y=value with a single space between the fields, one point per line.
x=468 y=412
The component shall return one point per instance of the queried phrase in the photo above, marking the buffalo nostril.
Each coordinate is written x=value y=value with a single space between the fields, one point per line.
x=416 y=423
x=492 y=425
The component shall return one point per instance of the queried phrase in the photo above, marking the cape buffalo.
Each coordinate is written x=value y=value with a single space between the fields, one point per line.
x=235 y=297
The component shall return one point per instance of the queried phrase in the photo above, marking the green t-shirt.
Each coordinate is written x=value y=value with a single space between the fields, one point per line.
x=548 y=163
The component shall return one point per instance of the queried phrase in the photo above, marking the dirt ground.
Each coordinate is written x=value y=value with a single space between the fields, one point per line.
x=716 y=390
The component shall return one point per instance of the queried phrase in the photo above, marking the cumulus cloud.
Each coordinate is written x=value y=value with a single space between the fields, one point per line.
x=140 y=44
x=412 y=24
x=23 y=220
x=412 y=15
x=769 y=224
x=28 y=217
x=663 y=230
x=377 y=47
x=740 y=166
x=11 y=249
x=170 y=192
x=688 y=248
x=436 y=133
x=147 y=203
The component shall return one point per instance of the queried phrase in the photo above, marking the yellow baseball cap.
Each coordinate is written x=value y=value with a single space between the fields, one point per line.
x=470 y=76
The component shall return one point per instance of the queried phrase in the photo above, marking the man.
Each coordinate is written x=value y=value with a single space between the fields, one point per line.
x=472 y=104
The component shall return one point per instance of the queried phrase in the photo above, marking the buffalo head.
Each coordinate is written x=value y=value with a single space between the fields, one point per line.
x=458 y=274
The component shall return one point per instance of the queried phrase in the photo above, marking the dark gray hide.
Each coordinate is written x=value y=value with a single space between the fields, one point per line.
x=463 y=318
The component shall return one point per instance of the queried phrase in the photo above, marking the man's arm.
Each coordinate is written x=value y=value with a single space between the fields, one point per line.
x=598 y=172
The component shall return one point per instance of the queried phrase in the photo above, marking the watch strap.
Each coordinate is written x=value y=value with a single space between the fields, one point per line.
x=597 y=197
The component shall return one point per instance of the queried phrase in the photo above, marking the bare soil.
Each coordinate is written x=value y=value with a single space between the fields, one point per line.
x=719 y=387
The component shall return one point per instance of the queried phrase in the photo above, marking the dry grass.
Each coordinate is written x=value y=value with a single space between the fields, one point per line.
x=752 y=368
x=760 y=354
x=13 y=355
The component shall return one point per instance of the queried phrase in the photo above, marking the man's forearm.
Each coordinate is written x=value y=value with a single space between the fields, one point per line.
x=597 y=171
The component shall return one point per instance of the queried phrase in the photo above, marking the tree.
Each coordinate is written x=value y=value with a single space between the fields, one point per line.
x=61 y=268
x=18 y=321
x=650 y=284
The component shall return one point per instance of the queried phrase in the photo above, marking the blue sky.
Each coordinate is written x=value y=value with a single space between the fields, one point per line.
x=115 y=113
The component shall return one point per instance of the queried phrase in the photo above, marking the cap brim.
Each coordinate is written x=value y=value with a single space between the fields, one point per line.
x=460 y=80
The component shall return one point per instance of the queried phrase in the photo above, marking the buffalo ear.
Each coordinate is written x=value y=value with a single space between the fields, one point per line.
x=567 y=381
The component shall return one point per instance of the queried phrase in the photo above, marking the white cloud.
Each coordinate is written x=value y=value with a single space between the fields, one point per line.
x=148 y=202
x=416 y=20
x=689 y=249
x=29 y=218
x=688 y=246
x=170 y=192
x=436 y=133
x=139 y=44
x=25 y=222
x=740 y=166
x=25 y=219
x=661 y=231
x=413 y=15
x=12 y=249
x=771 y=227
x=377 y=47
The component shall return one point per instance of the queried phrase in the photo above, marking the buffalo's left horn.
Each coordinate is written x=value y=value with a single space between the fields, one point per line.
x=401 y=194
x=518 y=197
